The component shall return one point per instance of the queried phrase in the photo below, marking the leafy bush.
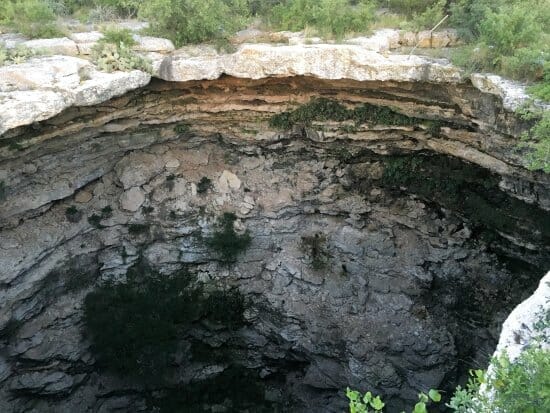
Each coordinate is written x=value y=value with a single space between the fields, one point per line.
x=538 y=140
x=204 y=185
x=513 y=35
x=33 y=18
x=359 y=403
x=314 y=246
x=329 y=17
x=125 y=8
x=117 y=36
x=519 y=386
x=194 y=21
x=134 y=326
x=225 y=241
x=429 y=17
x=110 y=58
x=407 y=7
x=15 y=55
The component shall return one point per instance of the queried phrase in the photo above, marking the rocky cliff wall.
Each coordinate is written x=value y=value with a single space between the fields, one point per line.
x=430 y=229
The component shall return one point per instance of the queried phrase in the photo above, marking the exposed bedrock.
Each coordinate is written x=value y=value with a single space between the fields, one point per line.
x=429 y=232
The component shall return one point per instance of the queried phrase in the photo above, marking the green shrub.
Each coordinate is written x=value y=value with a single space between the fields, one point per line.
x=225 y=242
x=95 y=221
x=326 y=109
x=138 y=229
x=117 y=36
x=73 y=214
x=538 y=140
x=429 y=17
x=226 y=308
x=33 y=18
x=194 y=21
x=124 y=8
x=509 y=29
x=110 y=58
x=134 y=326
x=407 y=7
x=204 y=185
x=368 y=403
x=3 y=191
x=330 y=17
x=315 y=247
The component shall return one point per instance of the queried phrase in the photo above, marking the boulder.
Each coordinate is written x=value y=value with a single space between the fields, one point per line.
x=132 y=199
x=62 y=45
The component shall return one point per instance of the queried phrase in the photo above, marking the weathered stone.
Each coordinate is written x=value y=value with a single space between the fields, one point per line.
x=83 y=197
x=63 y=45
x=228 y=181
x=153 y=44
x=132 y=199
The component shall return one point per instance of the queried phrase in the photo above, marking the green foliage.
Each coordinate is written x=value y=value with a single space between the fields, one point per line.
x=110 y=57
x=368 y=403
x=225 y=242
x=117 y=36
x=194 y=21
x=204 y=185
x=472 y=191
x=3 y=191
x=138 y=229
x=329 y=17
x=134 y=326
x=125 y=8
x=537 y=139
x=429 y=17
x=519 y=386
x=73 y=214
x=315 y=247
x=407 y=7
x=95 y=221
x=181 y=128
x=511 y=36
x=226 y=308
x=33 y=18
x=322 y=109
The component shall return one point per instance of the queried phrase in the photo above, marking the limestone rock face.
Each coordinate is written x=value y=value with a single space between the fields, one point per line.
x=351 y=280
x=518 y=329
x=43 y=87
x=62 y=46
x=321 y=61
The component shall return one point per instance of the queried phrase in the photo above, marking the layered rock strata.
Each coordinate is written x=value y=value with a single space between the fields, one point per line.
x=431 y=228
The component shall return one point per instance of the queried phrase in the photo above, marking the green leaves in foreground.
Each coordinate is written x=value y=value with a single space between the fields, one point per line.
x=368 y=403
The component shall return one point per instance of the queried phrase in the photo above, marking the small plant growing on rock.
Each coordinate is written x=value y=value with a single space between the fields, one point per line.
x=181 y=128
x=16 y=55
x=368 y=403
x=106 y=212
x=95 y=221
x=170 y=182
x=138 y=229
x=147 y=209
x=73 y=214
x=3 y=191
x=114 y=52
x=225 y=242
x=204 y=185
x=315 y=247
